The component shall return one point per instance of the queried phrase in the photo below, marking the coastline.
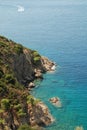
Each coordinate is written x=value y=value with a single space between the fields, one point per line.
x=48 y=65
x=19 y=67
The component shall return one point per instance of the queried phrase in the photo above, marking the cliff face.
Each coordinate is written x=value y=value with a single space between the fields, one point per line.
x=26 y=63
x=19 y=66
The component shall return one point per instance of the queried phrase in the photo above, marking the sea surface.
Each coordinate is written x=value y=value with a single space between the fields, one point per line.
x=58 y=30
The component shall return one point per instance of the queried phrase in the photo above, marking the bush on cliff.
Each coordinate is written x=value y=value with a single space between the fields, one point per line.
x=3 y=88
x=25 y=127
x=10 y=79
x=1 y=73
x=5 y=104
x=18 y=48
x=36 y=56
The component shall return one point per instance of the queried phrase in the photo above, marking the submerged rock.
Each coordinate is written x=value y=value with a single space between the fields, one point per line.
x=79 y=128
x=56 y=101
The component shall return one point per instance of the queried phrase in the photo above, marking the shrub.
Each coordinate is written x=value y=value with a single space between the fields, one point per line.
x=1 y=73
x=31 y=100
x=36 y=59
x=17 y=107
x=2 y=121
x=10 y=78
x=1 y=111
x=36 y=56
x=2 y=44
x=25 y=127
x=21 y=113
x=5 y=104
x=35 y=53
x=18 y=48
x=3 y=88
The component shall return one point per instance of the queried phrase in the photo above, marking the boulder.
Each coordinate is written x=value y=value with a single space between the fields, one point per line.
x=38 y=73
x=31 y=85
x=56 y=101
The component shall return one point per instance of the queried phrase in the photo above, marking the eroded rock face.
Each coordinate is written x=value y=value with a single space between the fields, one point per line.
x=38 y=73
x=37 y=115
x=40 y=115
x=23 y=68
x=26 y=71
x=47 y=64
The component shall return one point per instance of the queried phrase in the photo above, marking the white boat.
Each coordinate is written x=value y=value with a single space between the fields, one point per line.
x=20 y=9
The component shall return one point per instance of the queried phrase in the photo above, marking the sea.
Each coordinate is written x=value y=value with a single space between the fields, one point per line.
x=57 y=29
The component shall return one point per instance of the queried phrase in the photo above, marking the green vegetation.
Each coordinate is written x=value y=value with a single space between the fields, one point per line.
x=2 y=121
x=3 y=88
x=25 y=127
x=5 y=104
x=17 y=107
x=2 y=44
x=36 y=59
x=10 y=79
x=18 y=48
x=1 y=73
x=21 y=113
x=31 y=100
x=36 y=56
x=14 y=97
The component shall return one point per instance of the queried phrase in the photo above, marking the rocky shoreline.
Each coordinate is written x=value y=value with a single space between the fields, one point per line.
x=19 y=67
x=40 y=115
x=48 y=66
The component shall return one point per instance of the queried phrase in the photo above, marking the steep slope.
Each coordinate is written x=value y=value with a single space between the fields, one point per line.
x=19 y=66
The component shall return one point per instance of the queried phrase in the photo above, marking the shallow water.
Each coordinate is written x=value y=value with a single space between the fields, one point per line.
x=58 y=30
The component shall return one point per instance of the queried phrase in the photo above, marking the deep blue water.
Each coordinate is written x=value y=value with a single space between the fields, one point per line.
x=58 y=30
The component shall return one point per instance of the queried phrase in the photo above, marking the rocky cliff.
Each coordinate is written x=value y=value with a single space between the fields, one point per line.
x=19 y=67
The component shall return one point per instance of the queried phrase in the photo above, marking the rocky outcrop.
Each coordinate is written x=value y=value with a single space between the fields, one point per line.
x=47 y=64
x=25 y=69
x=56 y=102
x=31 y=85
x=38 y=73
x=40 y=115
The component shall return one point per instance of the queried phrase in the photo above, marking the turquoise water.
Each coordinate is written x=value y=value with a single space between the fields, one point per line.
x=58 y=30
